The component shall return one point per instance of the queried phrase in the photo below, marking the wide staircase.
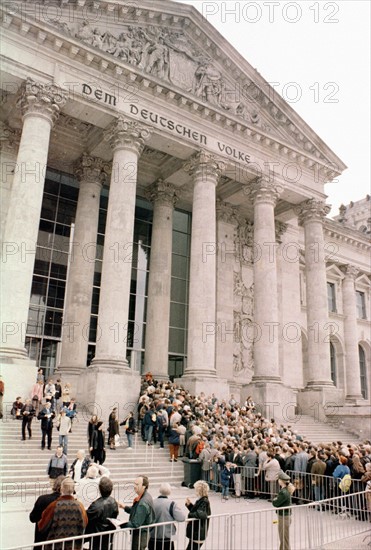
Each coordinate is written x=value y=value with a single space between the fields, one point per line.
x=23 y=464
x=321 y=432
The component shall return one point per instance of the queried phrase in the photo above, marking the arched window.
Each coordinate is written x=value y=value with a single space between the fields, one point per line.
x=363 y=371
x=333 y=362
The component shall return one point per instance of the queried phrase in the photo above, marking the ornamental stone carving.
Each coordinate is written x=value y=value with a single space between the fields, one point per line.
x=126 y=134
x=350 y=271
x=263 y=190
x=9 y=138
x=244 y=242
x=280 y=228
x=162 y=191
x=204 y=165
x=312 y=210
x=226 y=212
x=92 y=169
x=41 y=99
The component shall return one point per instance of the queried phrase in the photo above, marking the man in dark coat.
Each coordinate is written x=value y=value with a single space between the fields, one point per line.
x=41 y=504
x=46 y=416
x=140 y=513
x=27 y=412
x=99 y=513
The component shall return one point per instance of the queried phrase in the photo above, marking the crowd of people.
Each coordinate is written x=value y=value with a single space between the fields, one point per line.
x=239 y=451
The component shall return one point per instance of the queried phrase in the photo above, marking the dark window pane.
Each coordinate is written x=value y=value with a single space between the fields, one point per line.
x=180 y=243
x=66 y=211
x=61 y=243
x=51 y=187
x=58 y=268
x=102 y=221
x=136 y=335
x=176 y=341
x=53 y=323
x=179 y=290
x=95 y=301
x=63 y=230
x=178 y=315
x=93 y=329
x=97 y=273
x=49 y=207
x=35 y=321
x=69 y=192
x=56 y=293
x=143 y=210
x=38 y=291
x=142 y=232
x=181 y=221
x=179 y=266
x=41 y=266
x=49 y=356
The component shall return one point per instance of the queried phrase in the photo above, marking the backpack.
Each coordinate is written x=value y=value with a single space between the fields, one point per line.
x=345 y=483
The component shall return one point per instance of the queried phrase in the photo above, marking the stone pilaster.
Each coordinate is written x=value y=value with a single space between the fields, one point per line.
x=163 y=197
x=91 y=172
x=202 y=329
x=264 y=194
x=127 y=140
x=9 y=144
x=311 y=215
x=352 y=370
x=40 y=105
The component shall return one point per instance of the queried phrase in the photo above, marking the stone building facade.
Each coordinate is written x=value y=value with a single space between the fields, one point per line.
x=164 y=210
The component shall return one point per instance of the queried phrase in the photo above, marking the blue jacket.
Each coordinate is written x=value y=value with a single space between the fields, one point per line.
x=226 y=475
x=340 y=471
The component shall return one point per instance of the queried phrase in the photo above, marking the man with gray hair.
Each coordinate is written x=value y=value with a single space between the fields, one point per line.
x=87 y=489
x=165 y=510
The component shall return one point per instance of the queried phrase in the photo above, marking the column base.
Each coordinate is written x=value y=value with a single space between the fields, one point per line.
x=318 y=402
x=18 y=375
x=69 y=375
x=319 y=384
x=109 y=363
x=266 y=380
x=13 y=353
x=272 y=399
x=354 y=400
x=205 y=384
x=102 y=388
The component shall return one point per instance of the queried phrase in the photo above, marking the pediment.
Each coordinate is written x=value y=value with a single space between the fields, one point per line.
x=363 y=281
x=172 y=44
x=333 y=272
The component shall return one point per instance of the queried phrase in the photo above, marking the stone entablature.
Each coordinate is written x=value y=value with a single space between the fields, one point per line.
x=290 y=143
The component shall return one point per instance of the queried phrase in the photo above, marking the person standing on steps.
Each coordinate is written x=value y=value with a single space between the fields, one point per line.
x=129 y=424
x=46 y=416
x=27 y=412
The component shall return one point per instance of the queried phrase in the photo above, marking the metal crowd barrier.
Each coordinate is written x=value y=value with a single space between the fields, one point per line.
x=306 y=527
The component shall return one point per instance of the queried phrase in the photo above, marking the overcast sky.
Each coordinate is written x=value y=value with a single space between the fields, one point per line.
x=323 y=48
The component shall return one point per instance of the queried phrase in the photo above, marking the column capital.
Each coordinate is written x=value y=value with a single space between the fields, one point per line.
x=91 y=169
x=263 y=190
x=312 y=210
x=350 y=271
x=226 y=212
x=127 y=134
x=162 y=192
x=204 y=165
x=45 y=100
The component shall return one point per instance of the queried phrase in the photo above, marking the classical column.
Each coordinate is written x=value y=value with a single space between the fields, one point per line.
x=40 y=105
x=264 y=194
x=205 y=170
x=127 y=141
x=163 y=196
x=91 y=172
x=9 y=144
x=311 y=215
x=352 y=370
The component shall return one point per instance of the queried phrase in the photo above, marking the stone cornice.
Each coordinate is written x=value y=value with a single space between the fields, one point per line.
x=346 y=235
x=53 y=38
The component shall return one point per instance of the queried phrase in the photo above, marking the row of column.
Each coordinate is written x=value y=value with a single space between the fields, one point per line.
x=40 y=106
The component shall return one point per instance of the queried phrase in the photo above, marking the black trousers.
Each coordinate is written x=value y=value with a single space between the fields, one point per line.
x=26 y=422
x=46 y=432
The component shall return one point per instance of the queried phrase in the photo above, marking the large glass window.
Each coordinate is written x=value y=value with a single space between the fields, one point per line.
x=45 y=319
x=333 y=363
x=361 y=305
x=363 y=372
x=331 y=297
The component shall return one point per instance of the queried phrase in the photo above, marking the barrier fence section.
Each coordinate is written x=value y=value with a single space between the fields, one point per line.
x=251 y=482
x=306 y=527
